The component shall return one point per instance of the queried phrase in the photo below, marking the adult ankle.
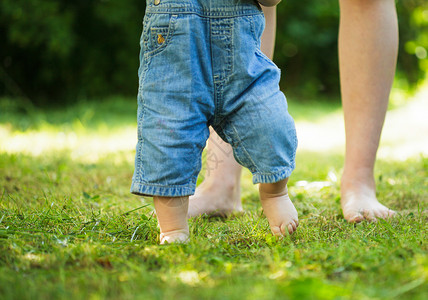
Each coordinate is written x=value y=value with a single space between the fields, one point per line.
x=357 y=178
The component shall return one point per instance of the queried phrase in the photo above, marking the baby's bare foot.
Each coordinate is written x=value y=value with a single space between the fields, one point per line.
x=176 y=236
x=171 y=213
x=215 y=200
x=281 y=214
x=360 y=203
x=279 y=210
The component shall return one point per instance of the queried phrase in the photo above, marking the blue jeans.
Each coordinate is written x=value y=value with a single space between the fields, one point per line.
x=201 y=66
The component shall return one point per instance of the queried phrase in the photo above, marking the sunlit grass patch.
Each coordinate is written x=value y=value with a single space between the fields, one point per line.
x=80 y=234
x=70 y=229
x=90 y=131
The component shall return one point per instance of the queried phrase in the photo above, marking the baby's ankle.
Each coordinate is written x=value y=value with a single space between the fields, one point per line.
x=273 y=190
x=172 y=218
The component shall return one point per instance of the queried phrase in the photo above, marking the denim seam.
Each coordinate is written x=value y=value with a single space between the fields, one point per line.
x=218 y=94
x=273 y=173
x=140 y=158
x=146 y=62
x=224 y=13
x=253 y=30
x=164 y=186
x=276 y=176
x=145 y=189
x=296 y=142
x=228 y=70
x=230 y=66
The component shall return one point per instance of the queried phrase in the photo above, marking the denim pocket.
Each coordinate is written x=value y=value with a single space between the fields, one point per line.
x=160 y=32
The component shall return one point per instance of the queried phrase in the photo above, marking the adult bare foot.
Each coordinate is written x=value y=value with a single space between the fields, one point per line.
x=220 y=193
x=215 y=199
x=359 y=202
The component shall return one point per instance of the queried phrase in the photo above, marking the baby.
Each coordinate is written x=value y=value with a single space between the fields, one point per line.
x=201 y=66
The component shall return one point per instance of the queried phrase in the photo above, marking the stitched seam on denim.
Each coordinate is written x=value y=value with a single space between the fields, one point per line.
x=232 y=52
x=221 y=78
x=143 y=44
x=296 y=142
x=258 y=178
x=253 y=30
x=140 y=168
x=214 y=88
x=218 y=95
x=146 y=33
x=167 y=191
x=214 y=13
x=140 y=158
x=227 y=67
x=187 y=185
x=240 y=143
x=282 y=170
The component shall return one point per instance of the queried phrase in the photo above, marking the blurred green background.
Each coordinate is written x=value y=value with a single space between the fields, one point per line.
x=59 y=51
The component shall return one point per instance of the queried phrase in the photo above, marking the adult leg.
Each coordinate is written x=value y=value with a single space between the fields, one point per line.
x=368 y=45
x=220 y=192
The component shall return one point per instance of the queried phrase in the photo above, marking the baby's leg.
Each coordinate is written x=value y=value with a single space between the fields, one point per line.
x=278 y=208
x=172 y=217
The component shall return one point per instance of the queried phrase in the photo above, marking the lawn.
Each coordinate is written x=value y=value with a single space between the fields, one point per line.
x=70 y=229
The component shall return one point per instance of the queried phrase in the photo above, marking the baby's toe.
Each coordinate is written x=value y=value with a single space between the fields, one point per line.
x=290 y=228
x=295 y=224
x=276 y=230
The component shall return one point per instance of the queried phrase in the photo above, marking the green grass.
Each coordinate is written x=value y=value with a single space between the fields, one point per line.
x=70 y=229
